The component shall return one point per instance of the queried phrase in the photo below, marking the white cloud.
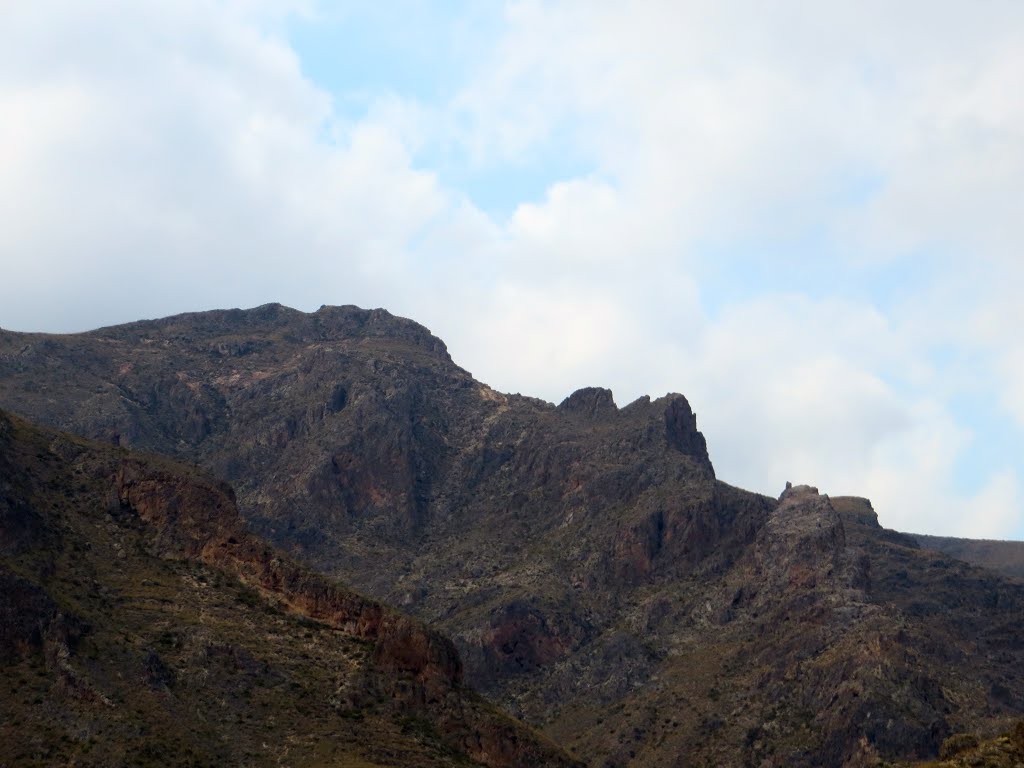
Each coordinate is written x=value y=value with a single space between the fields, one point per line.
x=884 y=129
x=175 y=157
x=917 y=504
x=1012 y=370
x=790 y=389
x=162 y=157
x=996 y=327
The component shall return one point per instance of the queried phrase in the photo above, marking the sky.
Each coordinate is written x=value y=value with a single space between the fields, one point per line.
x=806 y=217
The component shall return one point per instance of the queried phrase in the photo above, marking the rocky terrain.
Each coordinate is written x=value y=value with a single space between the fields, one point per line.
x=597 y=578
x=140 y=624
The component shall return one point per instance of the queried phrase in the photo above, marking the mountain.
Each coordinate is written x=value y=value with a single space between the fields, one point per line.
x=140 y=624
x=597 y=578
x=1006 y=557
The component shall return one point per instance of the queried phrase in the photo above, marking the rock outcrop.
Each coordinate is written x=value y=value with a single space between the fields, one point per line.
x=592 y=402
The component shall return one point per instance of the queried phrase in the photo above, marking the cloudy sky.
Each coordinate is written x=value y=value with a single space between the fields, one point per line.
x=807 y=217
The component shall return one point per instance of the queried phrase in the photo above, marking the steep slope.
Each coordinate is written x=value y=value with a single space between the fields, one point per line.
x=140 y=624
x=1005 y=557
x=596 y=576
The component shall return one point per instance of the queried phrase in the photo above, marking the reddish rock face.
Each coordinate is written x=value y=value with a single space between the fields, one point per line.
x=164 y=523
x=521 y=639
x=194 y=519
x=198 y=520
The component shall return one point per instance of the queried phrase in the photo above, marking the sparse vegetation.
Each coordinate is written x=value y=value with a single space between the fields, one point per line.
x=176 y=663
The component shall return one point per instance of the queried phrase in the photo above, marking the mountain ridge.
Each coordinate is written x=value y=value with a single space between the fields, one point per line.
x=1004 y=556
x=597 y=577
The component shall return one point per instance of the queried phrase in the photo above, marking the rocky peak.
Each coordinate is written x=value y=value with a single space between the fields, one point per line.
x=860 y=520
x=803 y=540
x=856 y=509
x=681 y=428
x=351 y=321
x=803 y=512
x=593 y=402
x=793 y=492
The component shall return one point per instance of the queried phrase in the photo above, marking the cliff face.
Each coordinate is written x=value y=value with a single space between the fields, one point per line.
x=595 y=575
x=140 y=621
